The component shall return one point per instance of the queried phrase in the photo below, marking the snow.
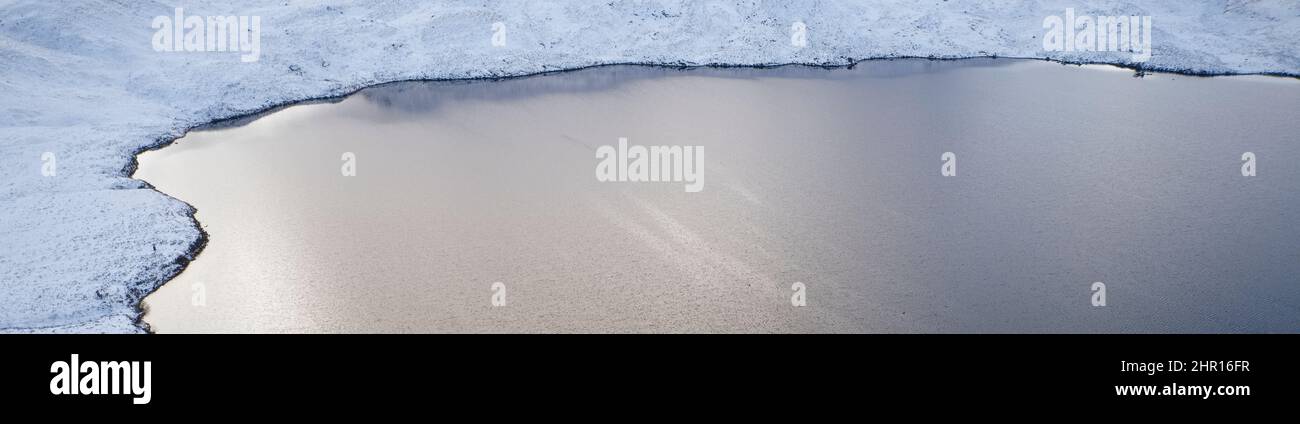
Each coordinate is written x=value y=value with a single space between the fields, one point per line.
x=78 y=250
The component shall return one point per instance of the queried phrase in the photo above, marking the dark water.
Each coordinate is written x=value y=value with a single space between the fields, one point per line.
x=1066 y=176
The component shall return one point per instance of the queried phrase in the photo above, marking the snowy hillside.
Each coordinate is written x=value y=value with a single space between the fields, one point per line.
x=80 y=79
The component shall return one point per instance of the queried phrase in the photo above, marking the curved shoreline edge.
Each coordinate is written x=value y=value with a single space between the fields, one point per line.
x=196 y=248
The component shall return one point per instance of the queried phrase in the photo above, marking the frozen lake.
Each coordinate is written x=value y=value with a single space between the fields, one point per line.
x=1065 y=176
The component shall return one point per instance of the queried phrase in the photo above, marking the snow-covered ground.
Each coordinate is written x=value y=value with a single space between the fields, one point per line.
x=81 y=80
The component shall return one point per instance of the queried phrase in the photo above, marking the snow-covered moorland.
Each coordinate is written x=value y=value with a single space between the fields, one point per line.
x=82 y=81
